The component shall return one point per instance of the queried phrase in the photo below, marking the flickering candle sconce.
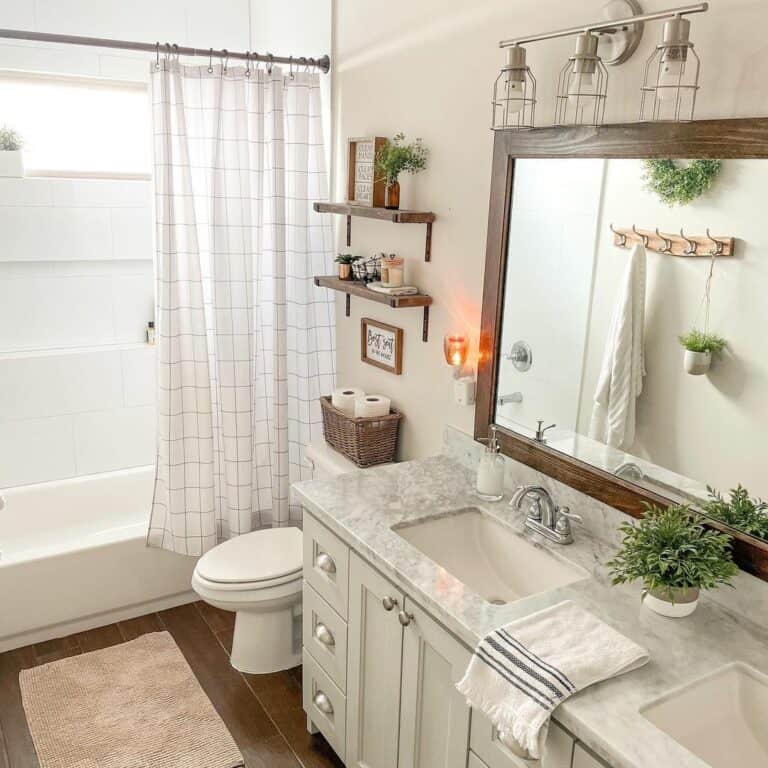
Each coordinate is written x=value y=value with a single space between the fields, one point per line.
x=456 y=348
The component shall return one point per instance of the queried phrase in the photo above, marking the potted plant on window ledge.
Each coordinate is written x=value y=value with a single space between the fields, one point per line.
x=11 y=161
x=675 y=556
x=396 y=157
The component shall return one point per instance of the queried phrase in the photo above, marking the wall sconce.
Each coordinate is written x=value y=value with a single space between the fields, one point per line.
x=514 y=93
x=671 y=77
x=582 y=85
x=456 y=348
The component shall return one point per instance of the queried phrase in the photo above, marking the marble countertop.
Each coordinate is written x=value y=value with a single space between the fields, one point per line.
x=361 y=508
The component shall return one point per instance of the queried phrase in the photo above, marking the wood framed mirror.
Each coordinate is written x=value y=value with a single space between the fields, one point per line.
x=554 y=274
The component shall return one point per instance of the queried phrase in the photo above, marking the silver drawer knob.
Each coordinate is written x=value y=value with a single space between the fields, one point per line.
x=389 y=602
x=323 y=703
x=405 y=618
x=325 y=562
x=324 y=635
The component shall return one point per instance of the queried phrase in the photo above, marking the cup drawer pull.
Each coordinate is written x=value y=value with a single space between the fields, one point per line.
x=325 y=563
x=324 y=635
x=323 y=703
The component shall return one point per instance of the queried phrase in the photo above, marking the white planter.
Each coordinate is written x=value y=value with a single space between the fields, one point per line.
x=697 y=363
x=11 y=164
x=685 y=603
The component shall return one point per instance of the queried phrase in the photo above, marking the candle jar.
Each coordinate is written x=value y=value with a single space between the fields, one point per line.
x=395 y=271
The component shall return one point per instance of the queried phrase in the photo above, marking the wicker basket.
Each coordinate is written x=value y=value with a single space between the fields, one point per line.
x=368 y=441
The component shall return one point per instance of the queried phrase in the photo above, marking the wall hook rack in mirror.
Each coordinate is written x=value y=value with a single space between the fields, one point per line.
x=672 y=244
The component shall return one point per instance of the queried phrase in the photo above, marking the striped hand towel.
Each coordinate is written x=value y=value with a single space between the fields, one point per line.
x=521 y=672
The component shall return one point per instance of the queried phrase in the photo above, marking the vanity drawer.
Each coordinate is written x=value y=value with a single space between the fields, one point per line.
x=326 y=564
x=484 y=740
x=324 y=704
x=325 y=636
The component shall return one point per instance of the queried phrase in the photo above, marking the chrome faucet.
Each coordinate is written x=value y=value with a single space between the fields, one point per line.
x=544 y=516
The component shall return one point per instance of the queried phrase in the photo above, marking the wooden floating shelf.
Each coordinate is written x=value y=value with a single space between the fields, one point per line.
x=674 y=245
x=383 y=214
x=355 y=288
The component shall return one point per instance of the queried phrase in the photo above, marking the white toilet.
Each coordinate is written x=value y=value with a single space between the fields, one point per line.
x=258 y=576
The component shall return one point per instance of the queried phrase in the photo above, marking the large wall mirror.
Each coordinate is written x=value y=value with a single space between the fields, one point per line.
x=589 y=287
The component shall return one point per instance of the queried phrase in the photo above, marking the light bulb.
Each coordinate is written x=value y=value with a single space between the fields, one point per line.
x=580 y=87
x=515 y=95
x=670 y=77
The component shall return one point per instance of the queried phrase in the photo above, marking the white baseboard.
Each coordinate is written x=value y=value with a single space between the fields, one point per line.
x=95 y=620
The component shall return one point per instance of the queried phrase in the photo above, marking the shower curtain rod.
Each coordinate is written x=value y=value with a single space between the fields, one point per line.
x=168 y=49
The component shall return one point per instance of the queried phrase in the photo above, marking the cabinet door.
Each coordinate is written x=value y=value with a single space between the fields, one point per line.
x=434 y=716
x=375 y=645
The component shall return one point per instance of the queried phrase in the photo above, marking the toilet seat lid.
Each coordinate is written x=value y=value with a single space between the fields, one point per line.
x=263 y=555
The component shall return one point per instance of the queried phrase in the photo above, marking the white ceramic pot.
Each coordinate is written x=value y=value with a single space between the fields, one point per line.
x=697 y=363
x=12 y=164
x=685 y=602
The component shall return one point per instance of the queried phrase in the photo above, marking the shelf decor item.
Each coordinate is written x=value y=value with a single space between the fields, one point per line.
x=381 y=345
x=346 y=262
x=363 y=188
x=367 y=441
x=699 y=347
x=11 y=159
x=675 y=556
x=680 y=184
x=396 y=157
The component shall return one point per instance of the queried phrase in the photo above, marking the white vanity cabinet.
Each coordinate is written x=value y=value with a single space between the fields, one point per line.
x=380 y=673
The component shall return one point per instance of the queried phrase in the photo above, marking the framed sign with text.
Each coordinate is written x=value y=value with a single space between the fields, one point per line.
x=381 y=345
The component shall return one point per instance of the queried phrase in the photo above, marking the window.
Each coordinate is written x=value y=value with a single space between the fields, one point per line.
x=78 y=126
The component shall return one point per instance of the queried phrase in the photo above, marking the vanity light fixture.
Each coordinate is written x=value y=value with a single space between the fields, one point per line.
x=671 y=77
x=671 y=74
x=514 y=93
x=582 y=85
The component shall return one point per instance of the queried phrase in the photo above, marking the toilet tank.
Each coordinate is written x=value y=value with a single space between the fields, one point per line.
x=325 y=462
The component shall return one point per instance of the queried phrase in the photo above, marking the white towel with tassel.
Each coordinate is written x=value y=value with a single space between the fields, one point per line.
x=519 y=673
x=621 y=377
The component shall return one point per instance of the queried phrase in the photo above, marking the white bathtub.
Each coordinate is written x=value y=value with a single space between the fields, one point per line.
x=73 y=557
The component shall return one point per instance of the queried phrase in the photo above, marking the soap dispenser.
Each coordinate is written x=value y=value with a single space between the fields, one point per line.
x=490 y=472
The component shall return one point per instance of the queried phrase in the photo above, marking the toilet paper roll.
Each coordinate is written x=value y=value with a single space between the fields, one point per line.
x=371 y=406
x=344 y=398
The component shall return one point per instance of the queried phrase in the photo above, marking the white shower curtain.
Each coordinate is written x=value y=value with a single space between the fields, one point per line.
x=246 y=341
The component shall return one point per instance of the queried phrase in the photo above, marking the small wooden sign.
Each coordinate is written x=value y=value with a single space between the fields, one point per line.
x=362 y=186
x=381 y=345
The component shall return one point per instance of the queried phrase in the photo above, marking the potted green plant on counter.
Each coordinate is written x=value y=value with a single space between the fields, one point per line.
x=675 y=556
x=741 y=511
x=699 y=347
x=345 y=262
x=11 y=161
x=396 y=157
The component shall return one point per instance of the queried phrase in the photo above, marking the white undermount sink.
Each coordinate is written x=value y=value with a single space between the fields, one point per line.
x=722 y=718
x=488 y=557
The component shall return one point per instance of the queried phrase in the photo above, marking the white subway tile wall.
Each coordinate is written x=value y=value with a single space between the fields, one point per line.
x=77 y=381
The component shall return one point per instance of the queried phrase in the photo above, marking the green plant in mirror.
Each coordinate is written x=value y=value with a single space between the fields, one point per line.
x=396 y=157
x=699 y=341
x=347 y=258
x=671 y=549
x=740 y=511
x=680 y=184
x=10 y=140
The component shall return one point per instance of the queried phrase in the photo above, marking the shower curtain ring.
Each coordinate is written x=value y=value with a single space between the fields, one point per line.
x=225 y=54
x=157 y=55
x=247 y=63
x=271 y=63
x=290 y=68
x=210 y=61
x=167 y=51
x=176 y=52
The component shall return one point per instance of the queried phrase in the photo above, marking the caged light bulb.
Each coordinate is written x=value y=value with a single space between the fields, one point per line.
x=670 y=77
x=515 y=95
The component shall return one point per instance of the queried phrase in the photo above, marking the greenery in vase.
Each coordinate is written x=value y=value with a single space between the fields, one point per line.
x=670 y=549
x=699 y=341
x=347 y=258
x=740 y=511
x=680 y=184
x=10 y=140
x=396 y=157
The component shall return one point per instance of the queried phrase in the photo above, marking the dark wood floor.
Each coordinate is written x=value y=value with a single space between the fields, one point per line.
x=263 y=712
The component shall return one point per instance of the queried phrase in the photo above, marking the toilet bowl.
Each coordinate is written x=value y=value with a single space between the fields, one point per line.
x=258 y=576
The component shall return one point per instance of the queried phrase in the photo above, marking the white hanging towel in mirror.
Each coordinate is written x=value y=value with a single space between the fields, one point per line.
x=621 y=375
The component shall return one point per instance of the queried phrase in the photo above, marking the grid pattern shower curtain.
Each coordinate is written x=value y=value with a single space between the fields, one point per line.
x=246 y=341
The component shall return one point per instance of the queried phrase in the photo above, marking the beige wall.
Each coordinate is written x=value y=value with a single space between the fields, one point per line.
x=426 y=67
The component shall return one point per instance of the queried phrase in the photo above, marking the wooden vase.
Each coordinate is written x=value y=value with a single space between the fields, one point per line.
x=392 y=196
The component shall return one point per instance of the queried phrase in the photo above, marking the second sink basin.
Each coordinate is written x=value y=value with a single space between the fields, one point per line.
x=721 y=718
x=488 y=557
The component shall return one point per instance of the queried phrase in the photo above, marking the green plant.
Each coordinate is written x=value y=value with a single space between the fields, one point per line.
x=396 y=157
x=347 y=258
x=699 y=341
x=10 y=140
x=741 y=511
x=670 y=549
x=680 y=185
